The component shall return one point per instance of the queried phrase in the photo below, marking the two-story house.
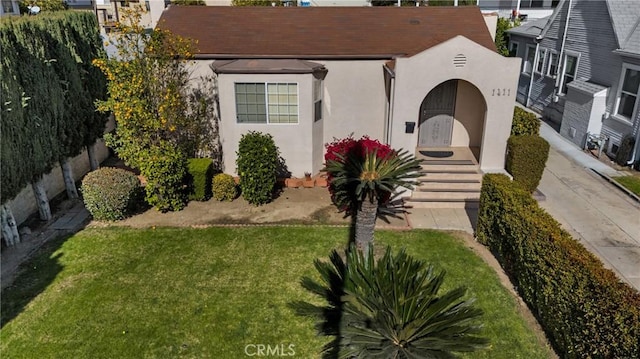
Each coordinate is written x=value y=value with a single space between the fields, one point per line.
x=581 y=70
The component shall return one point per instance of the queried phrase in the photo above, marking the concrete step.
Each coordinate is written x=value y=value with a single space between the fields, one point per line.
x=449 y=186
x=451 y=177
x=444 y=204
x=445 y=196
x=449 y=168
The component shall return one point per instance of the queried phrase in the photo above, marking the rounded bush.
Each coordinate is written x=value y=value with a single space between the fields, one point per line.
x=526 y=158
x=524 y=123
x=110 y=193
x=224 y=187
x=257 y=167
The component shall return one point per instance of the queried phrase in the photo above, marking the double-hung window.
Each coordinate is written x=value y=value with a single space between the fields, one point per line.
x=266 y=102
x=528 y=62
x=569 y=71
x=628 y=92
x=552 y=64
x=513 y=49
x=542 y=55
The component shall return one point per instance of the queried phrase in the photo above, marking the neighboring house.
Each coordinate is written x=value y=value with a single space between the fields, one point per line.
x=416 y=77
x=9 y=7
x=581 y=69
x=526 y=9
x=109 y=12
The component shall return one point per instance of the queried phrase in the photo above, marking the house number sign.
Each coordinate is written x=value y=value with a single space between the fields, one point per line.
x=501 y=92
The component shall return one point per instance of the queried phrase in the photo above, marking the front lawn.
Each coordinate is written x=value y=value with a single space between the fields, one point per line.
x=209 y=293
x=632 y=183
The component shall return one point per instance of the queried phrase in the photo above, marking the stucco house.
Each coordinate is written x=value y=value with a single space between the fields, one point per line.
x=425 y=79
x=581 y=70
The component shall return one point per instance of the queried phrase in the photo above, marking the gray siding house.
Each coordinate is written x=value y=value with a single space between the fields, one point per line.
x=581 y=69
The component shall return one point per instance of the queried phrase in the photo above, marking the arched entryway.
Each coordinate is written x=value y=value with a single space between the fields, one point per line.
x=452 y=115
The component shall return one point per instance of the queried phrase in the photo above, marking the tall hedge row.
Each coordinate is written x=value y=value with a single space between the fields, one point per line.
x=48 y=91
x=585 y=309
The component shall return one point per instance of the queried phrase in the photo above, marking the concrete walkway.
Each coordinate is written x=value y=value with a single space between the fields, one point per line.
x=66 y=222
x=459 y=219
x=596 y=213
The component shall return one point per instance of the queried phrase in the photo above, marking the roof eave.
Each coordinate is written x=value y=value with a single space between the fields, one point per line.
x=622 y=52
x=301 y=57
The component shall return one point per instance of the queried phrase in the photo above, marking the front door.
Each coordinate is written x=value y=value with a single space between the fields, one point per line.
x=436 y=116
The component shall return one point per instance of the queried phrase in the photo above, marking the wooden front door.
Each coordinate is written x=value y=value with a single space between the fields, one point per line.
x=436 y=116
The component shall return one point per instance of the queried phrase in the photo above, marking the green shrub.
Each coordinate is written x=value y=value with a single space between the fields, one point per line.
x=524 y=123
x=526 y=159
x=111 y=194
x=224 y=187
x=257 y=165
x=393 y=306
x=165 y=172
x=200 y=176
x=584 y=308
x=625 y=149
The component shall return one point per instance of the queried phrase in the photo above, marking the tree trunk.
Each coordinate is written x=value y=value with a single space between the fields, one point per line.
x=9 y=226
x=42 y=200
x=69 y=183
x=365 y=225
x=93 y=160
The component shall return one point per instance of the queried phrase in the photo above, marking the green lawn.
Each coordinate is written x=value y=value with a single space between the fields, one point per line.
x=632 y=183
x=208 y=293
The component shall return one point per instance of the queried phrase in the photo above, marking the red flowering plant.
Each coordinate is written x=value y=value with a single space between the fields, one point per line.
x=365 y=169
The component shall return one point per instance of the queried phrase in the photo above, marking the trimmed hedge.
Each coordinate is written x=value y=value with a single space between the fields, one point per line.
x=585 y=309
x=224 y=187
x=524 y=123
x=257 y=167
x=111 y=194
x=526 y=159
x=200 y=176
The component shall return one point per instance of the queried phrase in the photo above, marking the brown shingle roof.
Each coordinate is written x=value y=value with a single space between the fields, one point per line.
x=323 y=32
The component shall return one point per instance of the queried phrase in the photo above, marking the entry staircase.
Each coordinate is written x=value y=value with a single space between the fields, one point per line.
x=447 y=182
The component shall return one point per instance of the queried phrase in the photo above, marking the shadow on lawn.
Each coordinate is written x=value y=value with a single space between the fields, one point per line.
x=34 y=276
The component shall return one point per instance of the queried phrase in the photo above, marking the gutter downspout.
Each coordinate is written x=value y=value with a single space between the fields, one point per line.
x=561 y=55
x=533 y=72
x=390 y=106
x=635 y=145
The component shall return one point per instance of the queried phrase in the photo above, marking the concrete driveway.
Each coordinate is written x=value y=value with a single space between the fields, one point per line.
x=600 y=216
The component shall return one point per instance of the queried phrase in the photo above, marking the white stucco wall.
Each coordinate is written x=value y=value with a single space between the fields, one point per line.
x=24 y=204
x=469 y=116
x=293 y=140
x=491 y=73
x=354 y=99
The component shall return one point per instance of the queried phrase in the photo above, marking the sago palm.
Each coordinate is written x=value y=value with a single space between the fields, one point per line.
x=390 y=309
x=361 y=182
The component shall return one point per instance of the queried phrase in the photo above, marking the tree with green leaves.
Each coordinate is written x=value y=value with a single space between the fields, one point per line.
x=390 y=308
x=160 y=122
x=364 y=174
x=502 y=38
x=48 y=87
x=44 y=5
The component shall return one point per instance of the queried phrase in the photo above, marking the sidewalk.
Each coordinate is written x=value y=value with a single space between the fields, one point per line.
x=70 y=221
x=570 y=150
x=593 y=211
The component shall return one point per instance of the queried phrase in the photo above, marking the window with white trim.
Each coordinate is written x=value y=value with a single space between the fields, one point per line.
x=628 y=92
x=527 y=66
x=542 y=56
x=266 y=102
x=568 y=71
x=513 y=48
x=317 y=100
x=552 y=64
